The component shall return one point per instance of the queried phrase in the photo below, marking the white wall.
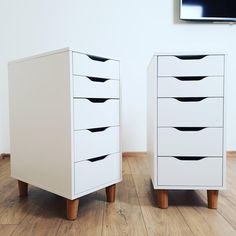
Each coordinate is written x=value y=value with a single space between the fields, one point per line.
x=130 y=30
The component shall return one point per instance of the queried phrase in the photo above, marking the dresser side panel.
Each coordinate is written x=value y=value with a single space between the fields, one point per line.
x=152 y=118
x=40 y=122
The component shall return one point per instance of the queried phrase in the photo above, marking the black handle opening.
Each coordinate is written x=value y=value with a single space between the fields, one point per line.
x=188 y=158
x=190 y=99
x=97 y=100
x=97 y=129
x=96 y=79
x=192 y=78
x=190 y=128
x=97 y=158
x=96 y=58
x=191 y=57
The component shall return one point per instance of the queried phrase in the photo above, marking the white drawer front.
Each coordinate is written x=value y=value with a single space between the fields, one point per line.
x=204 y=172
x=204 y=113
x=96 y=142
x=86 y=65
x=212 y=65
x=90 y=87
x=93 y=114
x=89 y=175
x=184 y=141
x=197 y=86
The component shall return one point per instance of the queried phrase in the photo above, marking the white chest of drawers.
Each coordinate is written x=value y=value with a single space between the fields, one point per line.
x=65 y=124
x=185 y=123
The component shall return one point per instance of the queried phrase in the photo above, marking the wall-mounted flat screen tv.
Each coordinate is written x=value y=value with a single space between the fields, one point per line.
x=208 y=10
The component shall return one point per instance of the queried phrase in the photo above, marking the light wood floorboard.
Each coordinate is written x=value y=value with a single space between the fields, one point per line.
x=133 y=213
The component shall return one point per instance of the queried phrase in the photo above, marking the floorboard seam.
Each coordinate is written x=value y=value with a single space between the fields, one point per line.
x=228 y=198
x=58 y=228
x=138 y=199
x=103 y=217
x=222 y=213
x=185 y=220
x=226 y=220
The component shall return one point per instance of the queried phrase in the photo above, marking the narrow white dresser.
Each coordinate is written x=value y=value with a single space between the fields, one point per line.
x=65 y=124
x=185 y=124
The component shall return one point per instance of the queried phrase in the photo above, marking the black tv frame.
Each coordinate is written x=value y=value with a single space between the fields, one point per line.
x=207 y=19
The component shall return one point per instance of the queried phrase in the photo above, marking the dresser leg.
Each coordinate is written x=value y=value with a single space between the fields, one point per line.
x=23 y=188
x=212 y=198
x=162 y=198
x=72 y=207
x=111 y=193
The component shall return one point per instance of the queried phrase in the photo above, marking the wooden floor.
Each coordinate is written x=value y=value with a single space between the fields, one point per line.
x=133 y=213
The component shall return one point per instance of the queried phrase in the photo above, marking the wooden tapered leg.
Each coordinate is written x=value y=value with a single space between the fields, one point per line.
x=23 y=188
x=111 y=193
x=212 y=198
x=162 y=198
x=72 y=207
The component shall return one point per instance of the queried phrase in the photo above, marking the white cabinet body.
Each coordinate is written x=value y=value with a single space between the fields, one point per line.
x=65 y=122
x=185 y=121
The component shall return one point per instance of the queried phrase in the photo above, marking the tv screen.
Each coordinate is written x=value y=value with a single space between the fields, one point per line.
x=212 y=10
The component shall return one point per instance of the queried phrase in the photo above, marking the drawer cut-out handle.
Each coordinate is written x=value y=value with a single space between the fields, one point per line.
x=191 y=57
x=96 y=58
x=96 y=79
x=188 y=158
x=190 y=128
x=190 y=99
x=97 y=158
x=98 y=100
x=97 y=129
x=188 y=78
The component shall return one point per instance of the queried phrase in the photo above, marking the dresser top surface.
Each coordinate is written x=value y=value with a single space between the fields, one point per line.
x=187 y=53
x=66 y=49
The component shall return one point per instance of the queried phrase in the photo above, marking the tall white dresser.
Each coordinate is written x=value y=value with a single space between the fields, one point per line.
x=65 y=124
x=185 y=124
